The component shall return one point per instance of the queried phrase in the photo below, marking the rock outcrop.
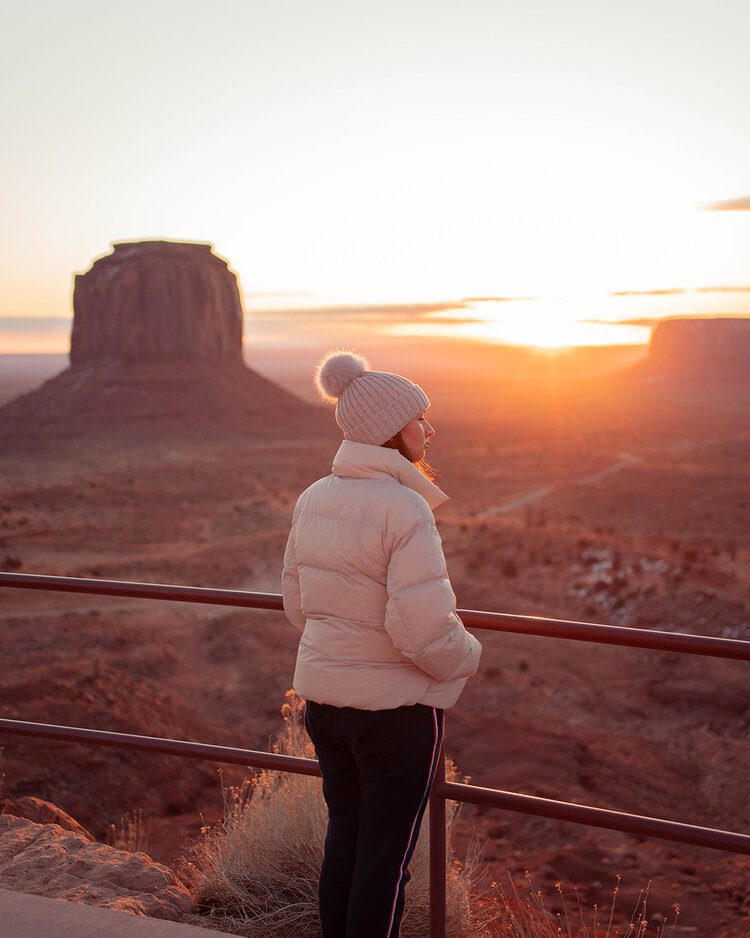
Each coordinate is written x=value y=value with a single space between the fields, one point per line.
x=715 y=349
x=47 y=860
x=156 y=351
x=42 y=812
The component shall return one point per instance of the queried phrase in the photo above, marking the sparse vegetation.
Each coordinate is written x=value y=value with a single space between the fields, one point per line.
x=130 y=833
x=529 y=917
x=256 y=872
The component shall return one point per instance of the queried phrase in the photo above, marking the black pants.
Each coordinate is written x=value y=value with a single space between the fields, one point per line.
x=378 y=767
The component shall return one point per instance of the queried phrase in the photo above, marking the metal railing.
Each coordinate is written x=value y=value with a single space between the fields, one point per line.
x=442 y=789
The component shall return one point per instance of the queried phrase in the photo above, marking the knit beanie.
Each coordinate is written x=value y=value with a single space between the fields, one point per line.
x=371 y=406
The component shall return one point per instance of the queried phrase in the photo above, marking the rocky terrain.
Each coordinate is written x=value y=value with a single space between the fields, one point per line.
x=49 y=860
x=658 y=543
x=612 y=499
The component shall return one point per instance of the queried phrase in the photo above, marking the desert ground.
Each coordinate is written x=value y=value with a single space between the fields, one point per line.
x=591 y=499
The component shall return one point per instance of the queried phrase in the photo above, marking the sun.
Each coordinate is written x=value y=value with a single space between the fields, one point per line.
x=549 y=325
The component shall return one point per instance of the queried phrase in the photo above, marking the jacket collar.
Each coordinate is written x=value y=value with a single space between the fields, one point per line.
x=366 y=461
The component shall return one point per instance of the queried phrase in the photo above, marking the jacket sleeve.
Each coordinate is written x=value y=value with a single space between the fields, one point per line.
x=290 y=591
x=420 y=613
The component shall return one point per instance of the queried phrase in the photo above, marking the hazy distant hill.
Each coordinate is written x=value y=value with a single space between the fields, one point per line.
x=714 y=350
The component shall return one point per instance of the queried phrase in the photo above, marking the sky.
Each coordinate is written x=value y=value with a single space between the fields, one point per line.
x=393 y=152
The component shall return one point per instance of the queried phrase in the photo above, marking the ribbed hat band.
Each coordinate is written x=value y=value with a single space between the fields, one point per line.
x=376 y=405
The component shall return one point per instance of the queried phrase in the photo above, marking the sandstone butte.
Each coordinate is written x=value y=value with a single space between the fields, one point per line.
x=712 y=348
x=156 y=350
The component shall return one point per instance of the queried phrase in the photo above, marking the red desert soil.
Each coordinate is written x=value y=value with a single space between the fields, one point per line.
x=620 y=514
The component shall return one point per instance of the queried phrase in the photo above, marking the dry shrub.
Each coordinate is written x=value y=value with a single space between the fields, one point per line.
x=256 y=872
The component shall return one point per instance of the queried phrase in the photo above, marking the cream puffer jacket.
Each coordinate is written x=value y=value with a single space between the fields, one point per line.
x=365 y=581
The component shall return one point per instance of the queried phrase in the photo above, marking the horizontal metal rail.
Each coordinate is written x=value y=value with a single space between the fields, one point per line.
x=472 y=618
x=660 y=828
x=166 y=747
x=599 y=817
x=455 y=791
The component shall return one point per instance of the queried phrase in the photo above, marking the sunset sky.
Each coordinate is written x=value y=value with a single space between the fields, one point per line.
x=345 y=153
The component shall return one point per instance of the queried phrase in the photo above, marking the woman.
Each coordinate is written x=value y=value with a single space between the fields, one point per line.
x=382 y=652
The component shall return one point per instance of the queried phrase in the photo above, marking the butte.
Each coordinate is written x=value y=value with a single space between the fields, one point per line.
x=156 y=353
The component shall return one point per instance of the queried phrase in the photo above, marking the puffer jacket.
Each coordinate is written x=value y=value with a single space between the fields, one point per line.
x=365 y=581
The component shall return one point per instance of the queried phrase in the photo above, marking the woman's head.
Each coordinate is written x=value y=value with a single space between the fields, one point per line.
x=376 y=407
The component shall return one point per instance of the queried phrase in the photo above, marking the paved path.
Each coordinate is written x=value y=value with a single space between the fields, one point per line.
x=626 y=459
x=27 y=916
x=517 y=502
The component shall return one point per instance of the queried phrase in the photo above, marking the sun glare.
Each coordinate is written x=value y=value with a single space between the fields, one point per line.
x=545 y=335
x=543 y=323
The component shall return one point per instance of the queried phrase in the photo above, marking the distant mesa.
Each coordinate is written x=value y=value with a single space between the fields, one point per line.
x=731 y=205
x=156 y=349
x=157 y=300
x=712 y=350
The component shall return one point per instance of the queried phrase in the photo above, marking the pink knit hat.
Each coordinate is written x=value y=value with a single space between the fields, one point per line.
x=371 y=406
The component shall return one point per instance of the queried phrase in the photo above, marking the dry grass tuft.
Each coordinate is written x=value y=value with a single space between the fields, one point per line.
x=529 y=918
x=256 y=872
x=131 y=834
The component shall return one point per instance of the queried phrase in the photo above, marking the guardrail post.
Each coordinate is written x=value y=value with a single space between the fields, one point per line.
x=438 y=858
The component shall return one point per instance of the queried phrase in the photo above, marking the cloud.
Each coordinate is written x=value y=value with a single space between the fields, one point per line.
x=279 y=293
x=636 y=321
x=496 y=299
x=648 y=292
x=653 y=320
x=670 y=292
x=359 y=313
x=731 y=205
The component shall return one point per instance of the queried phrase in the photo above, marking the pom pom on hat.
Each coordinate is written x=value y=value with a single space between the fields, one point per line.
x=336 y=371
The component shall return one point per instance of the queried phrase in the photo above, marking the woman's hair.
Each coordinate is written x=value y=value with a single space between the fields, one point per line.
x=397 y=442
